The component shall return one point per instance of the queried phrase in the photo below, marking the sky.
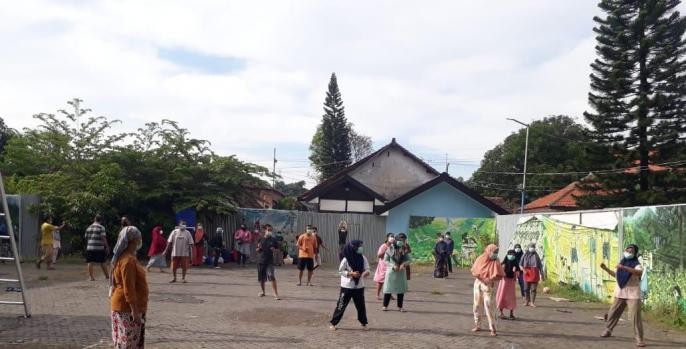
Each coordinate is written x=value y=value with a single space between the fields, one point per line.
x=250 y=76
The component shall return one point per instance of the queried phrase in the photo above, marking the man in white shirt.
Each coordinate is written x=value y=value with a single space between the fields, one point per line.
x=181 y=243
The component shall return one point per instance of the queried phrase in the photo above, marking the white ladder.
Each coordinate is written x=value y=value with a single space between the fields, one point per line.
x=15 y=253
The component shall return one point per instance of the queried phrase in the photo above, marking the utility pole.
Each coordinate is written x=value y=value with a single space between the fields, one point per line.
x=274 y=171
x=447 y=164
x=526 y=153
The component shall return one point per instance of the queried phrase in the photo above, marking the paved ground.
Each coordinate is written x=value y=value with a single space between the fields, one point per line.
x=220 y=309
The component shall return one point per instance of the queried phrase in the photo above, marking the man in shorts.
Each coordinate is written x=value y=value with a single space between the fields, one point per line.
x=97 y=248
x=46 y=230
x=181 y=242
x=320 y=243
x=265 y=260
x=307 y=245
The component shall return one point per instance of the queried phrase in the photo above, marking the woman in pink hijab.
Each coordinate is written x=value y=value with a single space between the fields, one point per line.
x=486 y=271
x=199 y=246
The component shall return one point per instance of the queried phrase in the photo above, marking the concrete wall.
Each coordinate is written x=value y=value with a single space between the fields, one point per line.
x=443 y=200
x=392 y=174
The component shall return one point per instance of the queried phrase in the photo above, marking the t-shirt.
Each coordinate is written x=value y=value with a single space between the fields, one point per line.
x=181 y=240
x=46 y=233
x=348 y=282
x=342 y=237
x=94 y=237
x=307 y=245
x=265 y=254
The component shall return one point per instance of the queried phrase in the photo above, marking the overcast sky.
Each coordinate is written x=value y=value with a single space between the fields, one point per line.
x=249 y=76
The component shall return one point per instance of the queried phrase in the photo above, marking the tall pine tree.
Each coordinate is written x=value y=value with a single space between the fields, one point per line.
x=330 y=148
x=638 y=92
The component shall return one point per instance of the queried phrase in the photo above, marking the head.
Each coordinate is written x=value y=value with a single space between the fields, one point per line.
x=268 y=230
x=314 y=230
x=357 y=245
x=631 y=252
x=220 y=230
x=532 y=247
x=125 y=221
x=510 y=255
x=199 y=226
x=400 y=240
x=48 y=219
x=439 y=236
x=243 y=227
x=343 y=226
x=517 y=248
x=309 y=230
x=390 y=238
x=492 y=251
x=447 y=235
x=97 y=219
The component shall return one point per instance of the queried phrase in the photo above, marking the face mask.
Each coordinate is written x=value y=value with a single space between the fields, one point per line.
x=518 y=250
x=343 y=230
x=309 y=232
x=532 y=250
x=399 y=243
x=510 y=257
x=182 y=227
x=628 y=255
x=494 y=256
x=360 y=250
x=268 y=233
x=391 y=240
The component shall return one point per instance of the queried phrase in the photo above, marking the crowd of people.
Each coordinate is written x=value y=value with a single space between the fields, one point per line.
x=494 y=287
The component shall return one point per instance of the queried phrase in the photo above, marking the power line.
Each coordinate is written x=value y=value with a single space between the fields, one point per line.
x=596 y=172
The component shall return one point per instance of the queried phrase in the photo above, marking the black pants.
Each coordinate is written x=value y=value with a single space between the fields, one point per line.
x=217 y=254
x=450 y=264
x=387 y=299
x=243 y=259
x=357 y=294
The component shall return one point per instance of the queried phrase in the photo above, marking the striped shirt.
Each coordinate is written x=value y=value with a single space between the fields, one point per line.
x=94 y=237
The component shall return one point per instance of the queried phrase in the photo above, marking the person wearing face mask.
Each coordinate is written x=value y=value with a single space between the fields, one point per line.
x=217 y=245
x=533 y=273
x=243 y=239
x=627 y=293
x=380 y=273
x=199 y=245
x=354 y=268
x=128 y=290
x=307 y=245
x=441 y=255
x=158 y=245
x=451 y=249
x=265 y=260
x=506 y=297
x=397 y=259
x=486 y=270
x=342 y=235
x=181 y=244
x=520 y=277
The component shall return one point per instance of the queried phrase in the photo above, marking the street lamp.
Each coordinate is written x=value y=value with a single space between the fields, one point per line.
x=526 y=151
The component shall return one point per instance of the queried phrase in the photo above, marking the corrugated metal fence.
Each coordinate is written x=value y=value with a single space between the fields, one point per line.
x=370 y=229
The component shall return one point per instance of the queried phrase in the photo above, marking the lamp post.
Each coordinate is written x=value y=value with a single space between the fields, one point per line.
x=526 y=151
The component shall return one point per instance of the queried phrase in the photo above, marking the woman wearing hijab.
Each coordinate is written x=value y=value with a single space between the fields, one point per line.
x=380 y=274
x=397 y=260
x=486 y=270
x=128 y=290
x=506 y=298
x=158 y=244
x=354 y=268
x=199 y=245
x=627 y=293
x=402 y=237
x=520 y=277
x=441 y=255
x=533 y=273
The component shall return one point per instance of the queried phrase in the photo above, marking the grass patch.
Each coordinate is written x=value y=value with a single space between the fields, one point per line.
x=666 y=315
x=571 y=292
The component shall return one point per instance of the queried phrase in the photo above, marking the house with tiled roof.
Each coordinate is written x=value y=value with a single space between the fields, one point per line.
x=395 y=183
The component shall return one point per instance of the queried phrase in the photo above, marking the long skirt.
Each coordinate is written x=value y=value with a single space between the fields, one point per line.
x=157 y=261
x=506 y=297
x=441 y=267
x=380 y=274
x=198 y=254
x=126 y=332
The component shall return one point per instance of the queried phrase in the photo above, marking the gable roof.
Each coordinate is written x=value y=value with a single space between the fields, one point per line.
x=443 y=177
x=563 y=199
x=320 y=190
x=314 y=192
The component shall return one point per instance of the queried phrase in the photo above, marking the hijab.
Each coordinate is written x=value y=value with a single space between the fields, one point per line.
x=199 y=234
x=355 y=260
x=487 y=269
x=126 y=234
x=531 y=259
x=623 y=276
x=158 y=243
x=518 y=255
x=510 y=265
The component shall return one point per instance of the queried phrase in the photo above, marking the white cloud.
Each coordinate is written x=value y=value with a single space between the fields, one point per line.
x=441 y=77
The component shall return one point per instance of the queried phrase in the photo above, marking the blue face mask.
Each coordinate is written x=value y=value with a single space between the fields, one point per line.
x=494 y=256
x=360 y=250
x=510 y=257
x=399 y=243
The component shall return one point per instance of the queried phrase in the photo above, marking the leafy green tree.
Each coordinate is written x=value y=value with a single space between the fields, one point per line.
x=330 y=149
x=291 y=189
x=556 y=144
x=638 y=91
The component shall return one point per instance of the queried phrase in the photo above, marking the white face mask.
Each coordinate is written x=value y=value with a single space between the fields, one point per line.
x=391 y=240
x=532 y=250
x=268 y=233
x=518 y=250
x=628 y=255
x=182 y=227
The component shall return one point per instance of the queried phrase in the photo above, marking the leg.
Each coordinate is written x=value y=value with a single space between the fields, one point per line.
x=184 y=267
x=90 y=271
x=400 y=296
x=105 y=272
x=386 y=299
x=276 y=291
x=262 y=287
x=634 y=306
x=343 y=300
x=55 y=251
x=522 y=286
x=527 y=293
x=379 y=286
x=175 y=267
x=358 y=299
x=450 y=264
x=300 y=277
x=309 y=276
x=478 y=303
x=217 y=253
x=488 y=308
x=532 y=290
x=613 y=315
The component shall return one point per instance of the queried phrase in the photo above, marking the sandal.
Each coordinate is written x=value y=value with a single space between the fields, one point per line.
x=512 y=317
x=606 y=334
x=476 y=329
x=501 y=317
